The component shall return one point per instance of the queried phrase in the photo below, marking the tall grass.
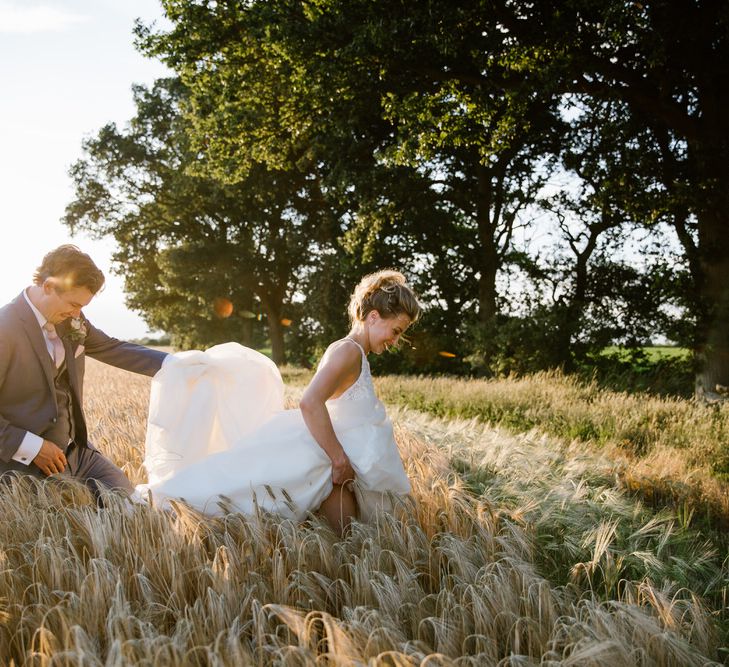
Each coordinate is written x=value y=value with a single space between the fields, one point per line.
x=678 y=444
x=515 y=556
x=588 y=527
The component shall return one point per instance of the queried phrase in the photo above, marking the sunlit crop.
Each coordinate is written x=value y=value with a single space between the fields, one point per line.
x=515 y=549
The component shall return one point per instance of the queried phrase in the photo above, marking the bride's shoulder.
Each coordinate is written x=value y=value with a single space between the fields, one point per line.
x=341 y=352
x=346 y=343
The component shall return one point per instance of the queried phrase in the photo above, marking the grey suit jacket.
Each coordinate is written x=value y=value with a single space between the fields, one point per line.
x=27 y=396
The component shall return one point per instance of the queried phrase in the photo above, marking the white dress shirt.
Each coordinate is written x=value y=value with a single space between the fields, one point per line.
x=32 y=443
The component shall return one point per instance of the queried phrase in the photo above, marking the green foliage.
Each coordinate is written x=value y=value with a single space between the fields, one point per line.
x=516 y=345
x=188 y=243
x=642 y=370
x=416 y=158
x=154 y=341
x=636 y=54
x=313 y=142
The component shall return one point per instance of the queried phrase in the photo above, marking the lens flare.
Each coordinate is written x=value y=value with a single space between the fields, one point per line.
x=222 y=307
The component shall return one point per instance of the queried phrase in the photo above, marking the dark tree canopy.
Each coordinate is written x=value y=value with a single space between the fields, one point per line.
x=187 y=241
x=303 y=144
x=668 y=62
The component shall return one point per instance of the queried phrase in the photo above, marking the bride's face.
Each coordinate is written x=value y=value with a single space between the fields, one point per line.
x=384 y=332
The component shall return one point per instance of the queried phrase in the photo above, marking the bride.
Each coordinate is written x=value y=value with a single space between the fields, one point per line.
x=219 y=439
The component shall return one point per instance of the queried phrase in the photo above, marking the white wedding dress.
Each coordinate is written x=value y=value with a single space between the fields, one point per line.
x=217 y=431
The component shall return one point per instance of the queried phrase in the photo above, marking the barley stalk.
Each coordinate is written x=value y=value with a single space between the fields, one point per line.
x=509 y=552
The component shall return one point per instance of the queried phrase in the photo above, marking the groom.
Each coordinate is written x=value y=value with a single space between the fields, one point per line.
x=44 y=339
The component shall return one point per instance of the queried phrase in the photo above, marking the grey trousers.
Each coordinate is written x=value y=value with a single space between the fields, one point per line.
x=90 y=466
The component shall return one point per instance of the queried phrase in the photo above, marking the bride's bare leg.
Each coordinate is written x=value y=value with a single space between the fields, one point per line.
x=339 y=508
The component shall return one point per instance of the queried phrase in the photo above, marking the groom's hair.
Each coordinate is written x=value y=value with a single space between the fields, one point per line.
x=71 y=267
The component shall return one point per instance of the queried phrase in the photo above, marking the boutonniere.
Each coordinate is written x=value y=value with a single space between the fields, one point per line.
x=76 y=330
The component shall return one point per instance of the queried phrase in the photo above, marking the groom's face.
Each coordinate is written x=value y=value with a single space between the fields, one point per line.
x=60 y=303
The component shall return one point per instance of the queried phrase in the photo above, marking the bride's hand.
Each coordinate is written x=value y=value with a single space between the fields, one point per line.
x=342 y=470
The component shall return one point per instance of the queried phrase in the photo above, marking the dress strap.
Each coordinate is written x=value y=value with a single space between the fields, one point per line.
x=361 y=349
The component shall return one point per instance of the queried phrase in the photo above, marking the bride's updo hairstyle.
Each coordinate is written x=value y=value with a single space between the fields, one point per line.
x=385 y=291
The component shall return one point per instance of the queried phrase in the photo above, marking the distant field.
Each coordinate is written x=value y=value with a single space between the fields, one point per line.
x=653 y=352
x=516 y=548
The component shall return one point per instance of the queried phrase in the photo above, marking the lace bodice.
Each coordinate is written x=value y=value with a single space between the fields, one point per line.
x=362 y=387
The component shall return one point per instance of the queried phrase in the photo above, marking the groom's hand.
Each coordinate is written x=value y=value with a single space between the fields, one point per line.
x=50 y=459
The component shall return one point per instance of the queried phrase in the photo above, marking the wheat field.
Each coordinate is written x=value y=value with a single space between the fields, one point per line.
x=512 y=550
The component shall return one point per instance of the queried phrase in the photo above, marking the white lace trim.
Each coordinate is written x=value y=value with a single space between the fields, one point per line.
x=362 y=387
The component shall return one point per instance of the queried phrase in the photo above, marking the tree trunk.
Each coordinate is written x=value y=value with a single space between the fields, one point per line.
x=275 y=331
x=576 y=307
x=487 y=290
x=273 y=305
x=712 y=344
x=488 y=255
x=246 y=325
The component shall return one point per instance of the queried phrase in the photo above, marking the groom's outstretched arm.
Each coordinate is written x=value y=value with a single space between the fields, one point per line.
x=119 y=353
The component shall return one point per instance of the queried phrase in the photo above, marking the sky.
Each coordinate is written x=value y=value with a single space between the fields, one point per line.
x=66 y=69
